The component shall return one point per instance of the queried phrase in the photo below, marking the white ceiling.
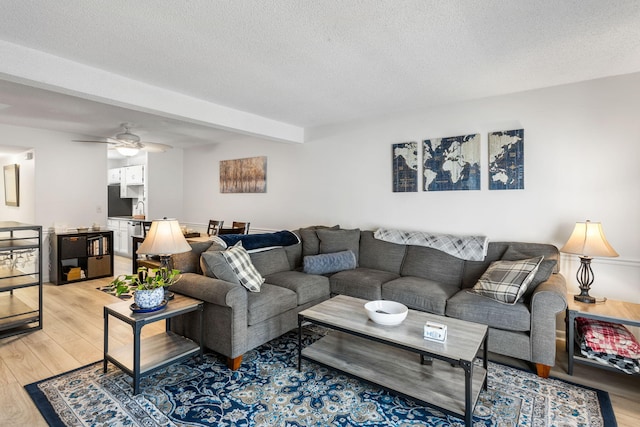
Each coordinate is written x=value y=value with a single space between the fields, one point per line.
x=298 y=63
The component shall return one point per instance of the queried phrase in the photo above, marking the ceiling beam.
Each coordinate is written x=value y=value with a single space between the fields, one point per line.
x=45 y=71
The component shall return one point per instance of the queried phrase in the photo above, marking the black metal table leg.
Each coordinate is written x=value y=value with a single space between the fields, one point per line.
x=105 y=347
x=485 y=359
x=468 y=407
x=299 y=343
x=571 y=340
x=136 y=358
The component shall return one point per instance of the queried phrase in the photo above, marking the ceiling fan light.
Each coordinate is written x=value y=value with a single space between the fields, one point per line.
x=127 y=151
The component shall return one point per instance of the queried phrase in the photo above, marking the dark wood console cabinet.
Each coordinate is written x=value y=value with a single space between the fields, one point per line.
x=80 y=256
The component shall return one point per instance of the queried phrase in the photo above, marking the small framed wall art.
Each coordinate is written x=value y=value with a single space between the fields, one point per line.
x=506 y=160
x=405 y=167
x=12 y=185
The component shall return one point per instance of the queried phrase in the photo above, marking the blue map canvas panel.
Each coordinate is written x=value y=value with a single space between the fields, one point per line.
x=506 y=160
x=452 y=163
x=405 y=167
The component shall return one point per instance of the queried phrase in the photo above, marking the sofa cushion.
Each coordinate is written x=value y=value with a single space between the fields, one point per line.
x=329 y=263
x=189 y=262
x=432 y=264
x=545 y=268
x=362 y=282
x=240 y=262
x=418 y=293
x=474 y=308
x=294 y=255
x=506 y=281
x=269 y=302
x=379 y=255
x=308 y=287
x=214 y=264
x=339 y=240
x=271 y=261
x=310 y=240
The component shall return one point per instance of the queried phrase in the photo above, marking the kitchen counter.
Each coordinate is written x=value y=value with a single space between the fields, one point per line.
x=127 y=218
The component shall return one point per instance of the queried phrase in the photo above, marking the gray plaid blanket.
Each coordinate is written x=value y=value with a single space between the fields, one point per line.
x=470 y=248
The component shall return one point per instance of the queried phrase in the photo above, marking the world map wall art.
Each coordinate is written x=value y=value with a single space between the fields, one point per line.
x=405 y=167
x=453 y=163
x=506 y=160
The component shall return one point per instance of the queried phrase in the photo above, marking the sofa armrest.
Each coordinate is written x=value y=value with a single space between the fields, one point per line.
x=548 y=299
x=225 y=313
x=214 y=291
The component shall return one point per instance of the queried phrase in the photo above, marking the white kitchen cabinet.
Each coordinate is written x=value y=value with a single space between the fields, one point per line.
x=120 y=228
x=114 y=176
x=134 y=175
x=132 y=181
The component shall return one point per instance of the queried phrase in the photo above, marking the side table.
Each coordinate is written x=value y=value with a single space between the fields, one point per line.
x=155 y=352
x=625 y=313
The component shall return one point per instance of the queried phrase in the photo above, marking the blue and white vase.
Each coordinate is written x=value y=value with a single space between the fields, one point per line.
x=148 y=298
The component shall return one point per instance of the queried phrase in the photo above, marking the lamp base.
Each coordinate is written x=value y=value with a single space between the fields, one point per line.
x=588 y=299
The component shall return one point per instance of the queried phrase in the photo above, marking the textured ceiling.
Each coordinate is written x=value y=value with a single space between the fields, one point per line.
x=310 y=63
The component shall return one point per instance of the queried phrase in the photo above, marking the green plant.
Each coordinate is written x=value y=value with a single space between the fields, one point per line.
x=146 y=279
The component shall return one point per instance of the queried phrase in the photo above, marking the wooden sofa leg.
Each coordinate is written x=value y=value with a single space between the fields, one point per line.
x=234 y=364
x=542 y=370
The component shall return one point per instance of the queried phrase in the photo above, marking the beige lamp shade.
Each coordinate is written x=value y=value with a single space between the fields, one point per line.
x=164 y=238
x=588 y=240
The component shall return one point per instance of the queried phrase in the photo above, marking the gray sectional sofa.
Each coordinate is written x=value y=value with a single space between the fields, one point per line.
x=420 y=277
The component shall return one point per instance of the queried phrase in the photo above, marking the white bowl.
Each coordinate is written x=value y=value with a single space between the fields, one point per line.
x=385 y=312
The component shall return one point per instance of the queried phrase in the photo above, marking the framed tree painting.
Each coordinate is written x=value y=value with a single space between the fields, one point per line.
x=12 y=185
x=247 y=175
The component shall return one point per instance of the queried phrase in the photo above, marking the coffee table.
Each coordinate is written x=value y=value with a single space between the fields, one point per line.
x=388 y=355
x=155 y=352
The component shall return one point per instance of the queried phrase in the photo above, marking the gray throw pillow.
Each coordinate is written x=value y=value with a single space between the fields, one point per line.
x=310 y=241
x=214 y=264
x=329 y=263
x=339 y=240
x=542 y=275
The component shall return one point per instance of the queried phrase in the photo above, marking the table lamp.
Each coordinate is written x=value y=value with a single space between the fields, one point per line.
x=587 y=240
x=164 y=238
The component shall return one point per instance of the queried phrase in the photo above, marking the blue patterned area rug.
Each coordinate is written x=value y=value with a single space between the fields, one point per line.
x=269 y=391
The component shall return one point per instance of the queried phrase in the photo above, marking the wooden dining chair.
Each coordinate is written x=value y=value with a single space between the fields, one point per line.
x=214 y=227
x=146 y=226
x=243 y=225
x=237 y=230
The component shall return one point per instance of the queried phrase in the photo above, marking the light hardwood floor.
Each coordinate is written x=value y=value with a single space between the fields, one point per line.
x=73 y=335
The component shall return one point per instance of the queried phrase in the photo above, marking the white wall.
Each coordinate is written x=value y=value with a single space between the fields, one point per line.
x=70 y=180
x=165 y=184
x=582 y=151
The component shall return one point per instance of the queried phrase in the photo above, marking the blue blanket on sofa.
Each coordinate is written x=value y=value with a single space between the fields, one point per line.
x=258 y=241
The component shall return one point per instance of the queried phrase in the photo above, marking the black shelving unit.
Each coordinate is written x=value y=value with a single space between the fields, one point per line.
x=20 y=268
x=80 y=256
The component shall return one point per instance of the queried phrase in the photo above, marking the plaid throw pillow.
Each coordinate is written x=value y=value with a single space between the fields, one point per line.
x=507 y=281
x=240 y=263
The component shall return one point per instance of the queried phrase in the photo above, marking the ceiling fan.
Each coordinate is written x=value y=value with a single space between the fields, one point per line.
x=129 y=144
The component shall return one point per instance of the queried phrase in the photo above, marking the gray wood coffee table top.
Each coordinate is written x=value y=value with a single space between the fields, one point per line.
x=464 y=339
